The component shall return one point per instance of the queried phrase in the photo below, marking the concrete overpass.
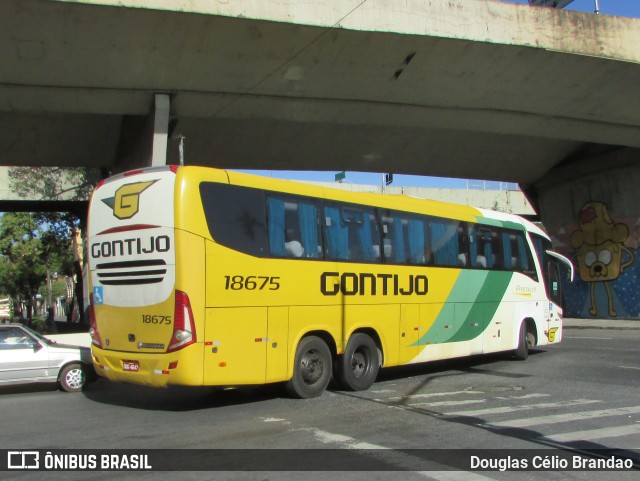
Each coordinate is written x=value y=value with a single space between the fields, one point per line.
x=463 y=88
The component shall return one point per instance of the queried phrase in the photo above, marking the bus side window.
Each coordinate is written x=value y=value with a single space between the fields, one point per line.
x=293 y=228
x=336 y=234
x=417 y=240
x=497 y=258
x=484 y=257
x=523 y=255
x=391 y=238
x=510 y=261
x=351 y=233
x=404 y=238
x=235 y=216
x=444 y=242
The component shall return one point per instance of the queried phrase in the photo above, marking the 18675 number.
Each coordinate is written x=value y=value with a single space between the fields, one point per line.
x=251 y=283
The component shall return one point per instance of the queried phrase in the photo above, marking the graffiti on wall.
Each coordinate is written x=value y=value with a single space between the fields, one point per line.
x=608 y=274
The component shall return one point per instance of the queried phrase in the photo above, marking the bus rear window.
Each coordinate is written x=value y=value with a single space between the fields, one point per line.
x=236 y=217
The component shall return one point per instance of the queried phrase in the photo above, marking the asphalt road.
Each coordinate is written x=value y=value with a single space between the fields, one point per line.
x=578 y=396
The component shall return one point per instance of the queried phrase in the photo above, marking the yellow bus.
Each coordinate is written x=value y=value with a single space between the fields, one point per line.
x=210 y=277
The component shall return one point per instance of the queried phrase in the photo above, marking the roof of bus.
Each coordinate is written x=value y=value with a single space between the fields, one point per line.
x=388 y=201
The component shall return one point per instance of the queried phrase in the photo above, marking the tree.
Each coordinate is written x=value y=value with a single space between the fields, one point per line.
x=31 y=250
x=62 y=229
x=52 y=183
x=22 y=270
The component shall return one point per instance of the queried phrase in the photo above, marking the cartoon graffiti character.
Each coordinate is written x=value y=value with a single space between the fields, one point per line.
x=599 y=245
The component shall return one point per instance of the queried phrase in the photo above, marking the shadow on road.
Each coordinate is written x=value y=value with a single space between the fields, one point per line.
x=477 y=365
x=177 y=398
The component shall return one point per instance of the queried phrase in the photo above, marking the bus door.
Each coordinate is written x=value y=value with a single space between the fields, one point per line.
x=553 y=286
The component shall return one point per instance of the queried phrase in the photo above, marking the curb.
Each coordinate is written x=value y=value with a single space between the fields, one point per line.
x=612 y=328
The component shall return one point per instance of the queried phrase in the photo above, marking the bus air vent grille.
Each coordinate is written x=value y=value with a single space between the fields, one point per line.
x=129 y=273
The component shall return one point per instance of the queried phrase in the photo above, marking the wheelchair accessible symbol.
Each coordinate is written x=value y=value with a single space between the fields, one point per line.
x=97 y=295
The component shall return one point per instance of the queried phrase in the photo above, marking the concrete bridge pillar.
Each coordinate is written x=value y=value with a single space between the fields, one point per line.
x=589 y=206
x=144 y=139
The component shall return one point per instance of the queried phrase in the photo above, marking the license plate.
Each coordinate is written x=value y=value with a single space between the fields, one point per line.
x=133 y=366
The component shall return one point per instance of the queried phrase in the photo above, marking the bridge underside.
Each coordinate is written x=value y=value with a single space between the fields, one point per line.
x=461 y=88
x=369 y=90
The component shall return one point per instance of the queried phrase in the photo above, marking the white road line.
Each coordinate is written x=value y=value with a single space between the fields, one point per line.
x=448 y=403
x=565 y=418
x=430 y=395
x=629 y=367
x=591 y=434
x=587 y=337
x=526 y=396
x=524 y=407
x=400 y=459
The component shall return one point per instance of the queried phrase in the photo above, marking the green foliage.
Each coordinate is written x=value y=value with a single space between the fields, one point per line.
x=52 y=183
x=58 y=287
x=27 y=249
x=45 y=236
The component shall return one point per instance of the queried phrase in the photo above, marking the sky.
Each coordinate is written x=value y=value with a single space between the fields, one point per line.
x=623 y=8
x=627 y=8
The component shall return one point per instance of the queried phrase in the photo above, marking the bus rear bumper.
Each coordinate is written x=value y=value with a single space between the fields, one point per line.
x=149 y=369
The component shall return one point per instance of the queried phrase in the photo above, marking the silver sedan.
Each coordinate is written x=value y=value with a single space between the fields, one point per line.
x=27 y=357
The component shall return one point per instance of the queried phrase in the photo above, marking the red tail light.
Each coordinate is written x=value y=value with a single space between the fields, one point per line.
x=184 y=332
x=93 y=330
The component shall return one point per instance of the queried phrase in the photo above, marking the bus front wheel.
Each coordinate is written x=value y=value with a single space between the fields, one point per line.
x=358 y=368
x=312 y=368
x=522 y=351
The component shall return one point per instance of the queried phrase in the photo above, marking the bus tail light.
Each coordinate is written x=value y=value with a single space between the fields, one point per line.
x=184 y=332
x=93 y=330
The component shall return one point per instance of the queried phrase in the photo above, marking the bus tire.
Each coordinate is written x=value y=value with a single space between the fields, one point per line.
x=522 y=351
x=358 y=368
x=311 y=370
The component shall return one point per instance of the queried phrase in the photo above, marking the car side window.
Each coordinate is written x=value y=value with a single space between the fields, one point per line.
x=14 y=338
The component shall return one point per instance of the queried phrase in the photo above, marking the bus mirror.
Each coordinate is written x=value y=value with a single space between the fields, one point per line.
x=565 y=261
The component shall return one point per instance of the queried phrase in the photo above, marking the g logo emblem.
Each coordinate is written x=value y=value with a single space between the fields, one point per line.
x=126 y=202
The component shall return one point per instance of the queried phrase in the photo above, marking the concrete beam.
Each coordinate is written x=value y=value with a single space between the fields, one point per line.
x=510 y=24
x=162 y=105
x=463 y=88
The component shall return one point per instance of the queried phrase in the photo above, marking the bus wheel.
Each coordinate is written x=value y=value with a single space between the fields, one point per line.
x=522 y=351
x=358 y=368
x=312 y=368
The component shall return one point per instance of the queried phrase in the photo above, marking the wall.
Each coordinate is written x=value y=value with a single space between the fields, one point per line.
x=591 y=209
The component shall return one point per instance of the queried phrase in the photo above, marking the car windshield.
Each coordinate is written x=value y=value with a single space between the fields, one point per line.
x=39 y=337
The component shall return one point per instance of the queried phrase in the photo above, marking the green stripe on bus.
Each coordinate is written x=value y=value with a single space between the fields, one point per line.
x=478 y=291
x=484 y=308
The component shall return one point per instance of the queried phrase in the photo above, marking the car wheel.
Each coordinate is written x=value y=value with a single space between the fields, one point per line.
x=72 y=378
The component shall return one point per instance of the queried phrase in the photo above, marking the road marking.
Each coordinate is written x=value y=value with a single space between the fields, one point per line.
x=592 y=338
x=524 y=407
x=526 y=396
x=429 y=395
x=565 y=418
x=591 y=434
x=629 y=367
x=398 y=458
x=448 y=403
